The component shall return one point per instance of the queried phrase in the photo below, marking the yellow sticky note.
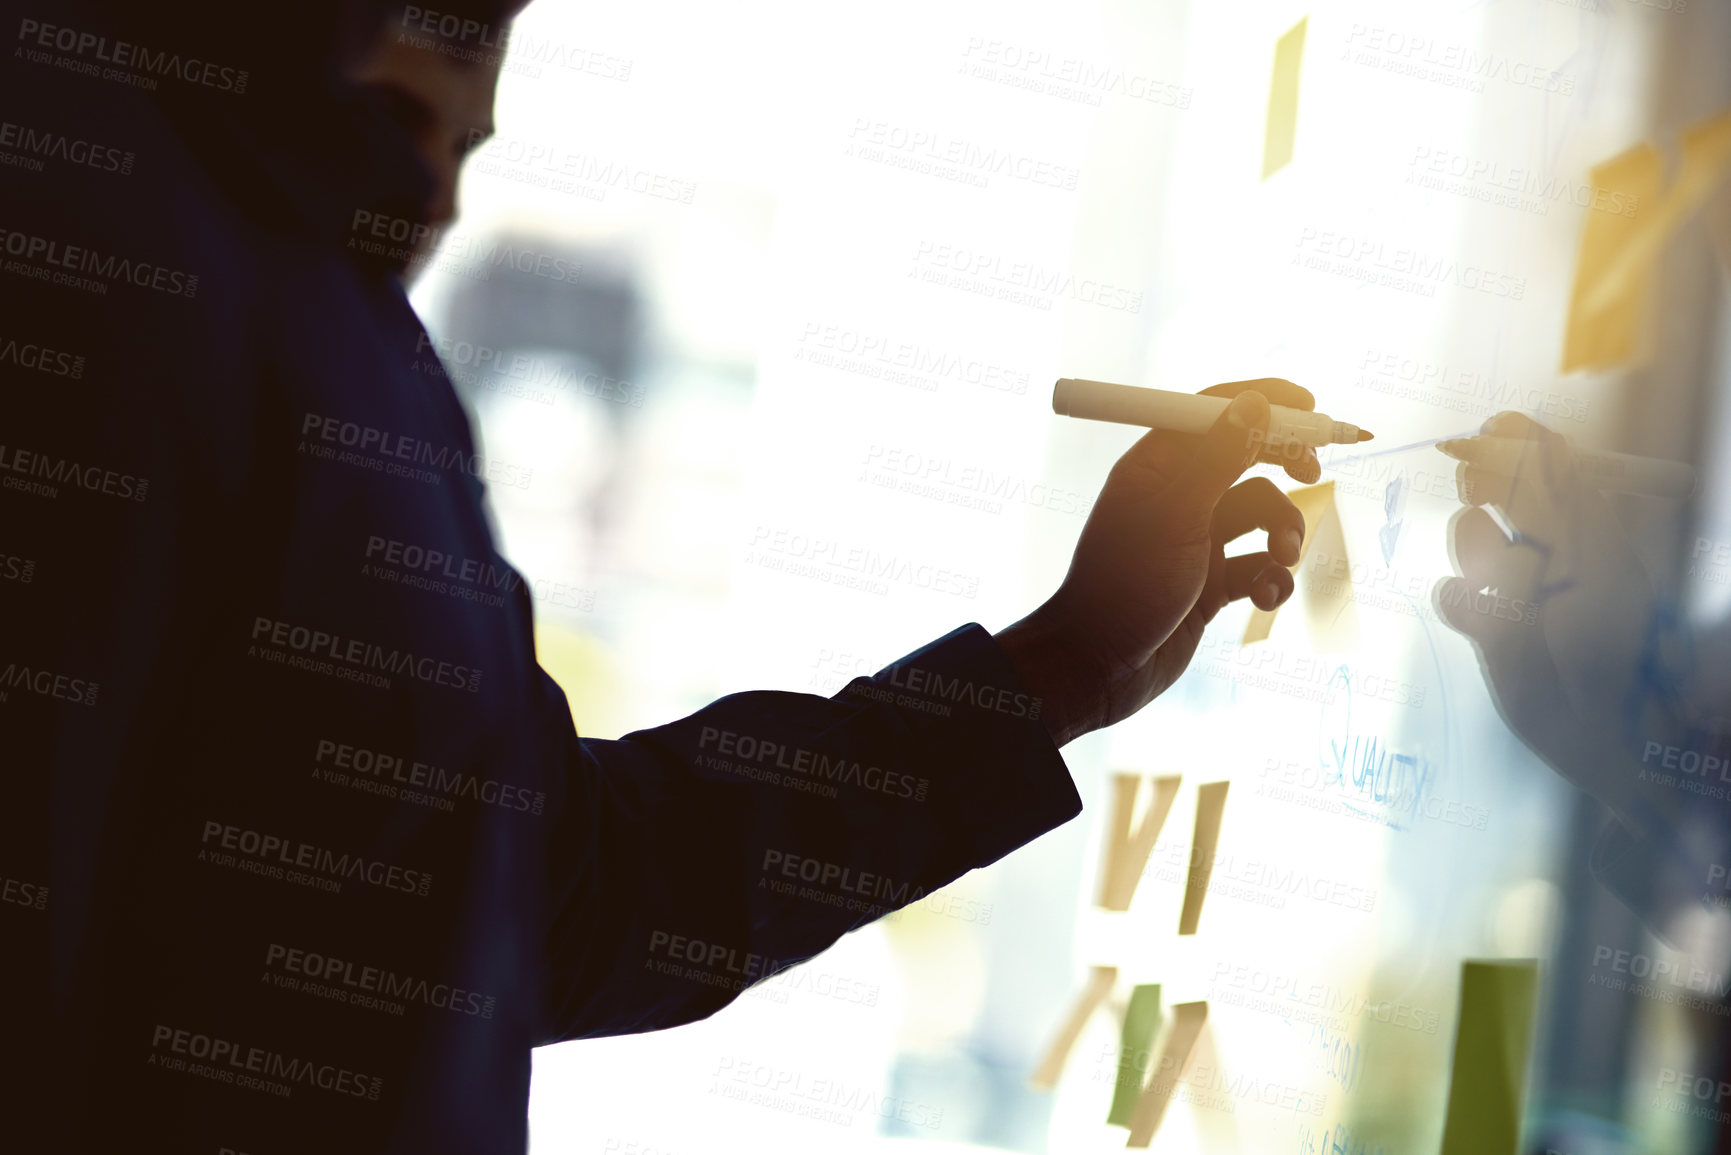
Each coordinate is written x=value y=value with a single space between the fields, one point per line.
x=1283 y=100
x=1187 y=1021
x=1099 y=986
x=1610 y=300
x=1127 y=851
x=1717 y=214
x=1210 y=807
x=1611 y=335
x=1706 y=155
x=1330 y=608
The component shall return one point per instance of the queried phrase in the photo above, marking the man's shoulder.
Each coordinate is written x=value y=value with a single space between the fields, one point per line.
x=125 y=250
x=114 y=227
x=146 y=238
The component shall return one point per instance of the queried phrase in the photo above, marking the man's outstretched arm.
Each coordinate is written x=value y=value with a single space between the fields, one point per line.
x=696 y=858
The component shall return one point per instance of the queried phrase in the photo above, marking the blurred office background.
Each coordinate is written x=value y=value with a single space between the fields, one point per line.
x=770 y=297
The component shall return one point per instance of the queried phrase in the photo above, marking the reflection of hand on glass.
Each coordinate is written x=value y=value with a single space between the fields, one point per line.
x=1568 y=555
x=1150 y=570
x=1564 y=669
x=1571 y=638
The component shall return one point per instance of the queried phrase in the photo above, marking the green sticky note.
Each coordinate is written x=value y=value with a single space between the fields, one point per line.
x=1283 y=100
x=1492 y=1041
x=1135 y=1051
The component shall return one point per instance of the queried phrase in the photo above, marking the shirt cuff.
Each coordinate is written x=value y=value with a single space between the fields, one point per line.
x=969 y=707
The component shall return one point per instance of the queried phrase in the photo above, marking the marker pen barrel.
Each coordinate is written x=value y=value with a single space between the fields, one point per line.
x=1605 y=471
x=1189 y=412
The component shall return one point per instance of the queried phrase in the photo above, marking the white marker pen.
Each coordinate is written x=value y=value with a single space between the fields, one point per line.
x=1191 y=412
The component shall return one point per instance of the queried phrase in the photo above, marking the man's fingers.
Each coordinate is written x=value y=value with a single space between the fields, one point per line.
x=1479 y=547
x=1259 y=504
x=1222 y=454
x=1523 y=488
x=1511 y=424
x=1277 y=390
x=1495 y=590
x=1453 y=600
x=1173 y=456
x=1478 y=486
x=1488 y=560
x=1515 y=460
x=1306 y=469
x=1511 y=454
x=1161 y=451
x=1167 y=453
x=1531 y=480
x=1505 y=628
x=1516 y=663
x=1297 y=459
x=1260 y=578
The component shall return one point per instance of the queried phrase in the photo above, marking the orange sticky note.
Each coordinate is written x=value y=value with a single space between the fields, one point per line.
x=1100 y=982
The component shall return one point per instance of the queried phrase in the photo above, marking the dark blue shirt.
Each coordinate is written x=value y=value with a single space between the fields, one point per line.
x=301 y=850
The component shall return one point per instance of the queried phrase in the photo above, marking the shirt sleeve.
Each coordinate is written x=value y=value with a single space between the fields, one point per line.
x=697 y=858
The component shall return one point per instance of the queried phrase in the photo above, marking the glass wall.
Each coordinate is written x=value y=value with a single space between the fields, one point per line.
x=772 y=296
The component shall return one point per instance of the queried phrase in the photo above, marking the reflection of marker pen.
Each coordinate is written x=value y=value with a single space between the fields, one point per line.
x=1191 y=412
x=1604 y=471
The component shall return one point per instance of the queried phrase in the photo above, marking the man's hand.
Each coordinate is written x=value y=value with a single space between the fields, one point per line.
x=1150 y=570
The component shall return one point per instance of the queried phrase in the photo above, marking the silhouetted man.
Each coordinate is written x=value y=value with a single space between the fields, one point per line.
x=302 y=852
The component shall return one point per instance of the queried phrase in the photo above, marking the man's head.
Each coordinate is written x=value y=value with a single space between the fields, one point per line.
x=439 y=73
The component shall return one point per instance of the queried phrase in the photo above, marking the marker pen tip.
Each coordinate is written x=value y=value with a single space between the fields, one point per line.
x=1365 y=435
